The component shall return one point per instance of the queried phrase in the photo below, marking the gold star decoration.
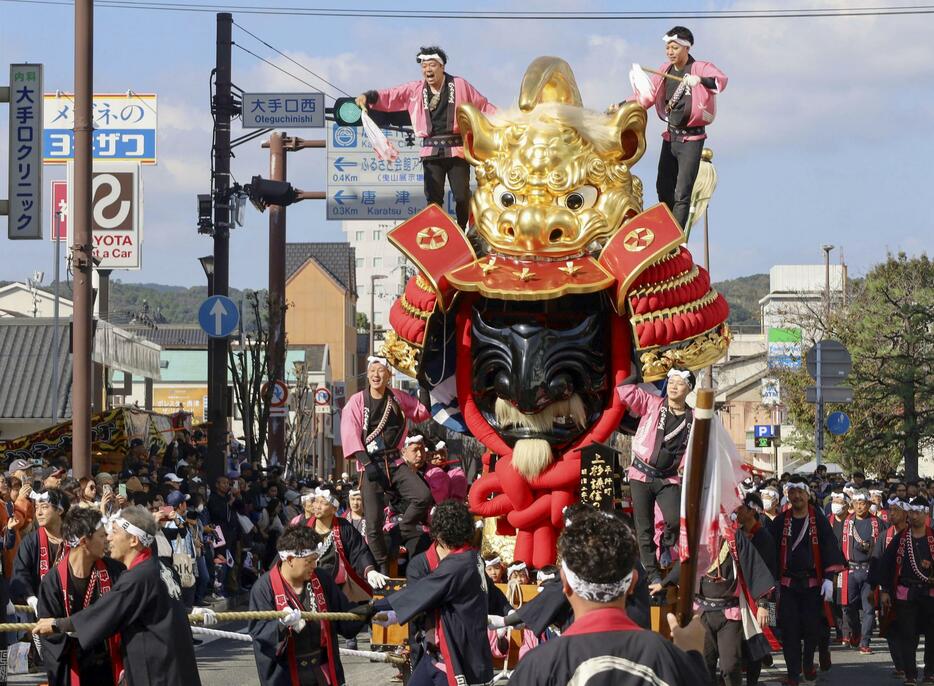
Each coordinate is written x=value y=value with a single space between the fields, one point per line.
x=525 y=275
x=570 y=269
x=487 y=267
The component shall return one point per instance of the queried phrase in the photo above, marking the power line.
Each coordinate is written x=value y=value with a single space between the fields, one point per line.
x=293 y=61
x=276 y=66
x=797 y=13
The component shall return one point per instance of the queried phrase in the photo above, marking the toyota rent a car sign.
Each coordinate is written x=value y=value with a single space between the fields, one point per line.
x=116 y=214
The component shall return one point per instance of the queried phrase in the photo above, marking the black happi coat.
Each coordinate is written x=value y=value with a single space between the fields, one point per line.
x=355 y=548
x=458 y=593
x=156 y=637
x=269 y=635
x=801 y=559
x=57 y=649
x=25 y=580
x=606 y=648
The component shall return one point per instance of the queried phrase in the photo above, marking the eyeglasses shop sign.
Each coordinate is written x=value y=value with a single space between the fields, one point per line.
x=116 y=214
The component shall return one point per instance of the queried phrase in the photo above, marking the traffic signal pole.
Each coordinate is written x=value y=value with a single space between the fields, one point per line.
x=82 y=264
x=279 y=144
x=222 y=107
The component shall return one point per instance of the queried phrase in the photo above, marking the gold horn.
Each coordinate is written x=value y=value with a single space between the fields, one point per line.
x=548 y=79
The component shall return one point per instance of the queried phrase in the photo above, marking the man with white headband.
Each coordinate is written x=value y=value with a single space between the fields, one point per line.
x=687 y=103
x=432 y=104
x=770 y=500
x=373 y=431
x=658 y=449
x=597 y=554
x=809 y=558
x=40 y=550
x=154 y=633
x=839 y=507
x=898 y=522
x=291 y=651
x=355 y=511
x=81 y=578
x=906 y=575
x=861 y=530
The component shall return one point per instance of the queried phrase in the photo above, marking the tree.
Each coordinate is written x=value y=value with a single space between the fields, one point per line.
x=888 y=328
x=362 y=322
x=248 y=364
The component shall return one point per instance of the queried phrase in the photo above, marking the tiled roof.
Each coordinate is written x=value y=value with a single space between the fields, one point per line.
x=337 y=259
x=171 y=336
x=27 y=357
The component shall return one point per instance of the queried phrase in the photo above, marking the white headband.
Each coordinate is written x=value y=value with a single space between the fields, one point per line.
x=792 y=484
x=517 y=567
x=411 y=440
x=425 y=56
x=838 y=495
x=677 y=39
x=769 y=491
x=490 y=563
x=286 y=554
x=544 y=576
x=597 y=593
x=440 y=445
x=327 y=495
x=899 y=503
x=308 y=496
x=917 y=508
x=354 y=491
x=373 y=359
x=873 y=491
x=683 y=373
x=859 y=496
x=144 y=538
x=75 y=542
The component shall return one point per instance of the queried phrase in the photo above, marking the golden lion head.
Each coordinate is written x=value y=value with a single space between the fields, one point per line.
x=553 y=179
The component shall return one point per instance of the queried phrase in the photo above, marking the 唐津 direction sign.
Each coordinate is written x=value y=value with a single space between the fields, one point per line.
x=25 y=152
x=275 y=110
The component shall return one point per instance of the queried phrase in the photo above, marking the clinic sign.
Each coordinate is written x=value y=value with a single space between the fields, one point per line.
x=116 y=214
x=25 y=152
x=125 y=126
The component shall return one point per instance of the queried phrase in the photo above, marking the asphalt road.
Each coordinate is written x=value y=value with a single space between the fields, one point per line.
x=223 y=662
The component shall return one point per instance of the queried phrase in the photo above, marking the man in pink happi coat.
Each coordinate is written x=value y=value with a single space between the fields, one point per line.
x=432 y=105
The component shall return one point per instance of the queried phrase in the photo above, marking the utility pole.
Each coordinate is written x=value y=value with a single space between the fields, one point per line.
x=826 y=249
x=223 y=107
x=82 y=329
x=373 y=279
x=279 y=144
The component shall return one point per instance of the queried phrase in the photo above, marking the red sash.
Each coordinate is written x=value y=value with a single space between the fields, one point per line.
x=44 y=563
x=113 y=643
x=847 y=534
x=815 y=548
x=286 y=600
x=900 y=555
x=431 y=555
x=342 y=556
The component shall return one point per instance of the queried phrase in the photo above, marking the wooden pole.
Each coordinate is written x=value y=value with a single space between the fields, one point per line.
x=679 y=79
x=694 y=483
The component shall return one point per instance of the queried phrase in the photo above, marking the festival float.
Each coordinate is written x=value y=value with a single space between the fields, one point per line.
x=563 y=288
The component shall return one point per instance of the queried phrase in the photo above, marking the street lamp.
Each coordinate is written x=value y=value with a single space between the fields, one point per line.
x=826 y=249
x=207 y=264
x=373 y=279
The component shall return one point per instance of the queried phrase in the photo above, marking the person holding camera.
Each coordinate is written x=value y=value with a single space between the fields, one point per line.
x=373 y=432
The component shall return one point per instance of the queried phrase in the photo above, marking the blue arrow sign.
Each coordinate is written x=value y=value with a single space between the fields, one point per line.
x=340 y=164
x=838 y=423
x=218 y=316
x=341 y=196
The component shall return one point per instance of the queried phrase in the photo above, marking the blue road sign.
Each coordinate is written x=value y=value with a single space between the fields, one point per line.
x=218 y=316
x=764 y=431
x=838 y=423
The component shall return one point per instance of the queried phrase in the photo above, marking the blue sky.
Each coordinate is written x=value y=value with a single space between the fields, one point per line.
x=822 y=134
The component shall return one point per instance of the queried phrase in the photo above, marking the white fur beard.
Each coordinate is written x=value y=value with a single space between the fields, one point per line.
x=507 y=415
x=531 y=456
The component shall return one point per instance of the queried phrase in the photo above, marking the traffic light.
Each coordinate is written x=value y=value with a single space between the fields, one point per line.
x=347 y=113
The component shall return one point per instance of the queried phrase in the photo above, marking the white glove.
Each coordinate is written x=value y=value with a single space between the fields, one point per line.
x=692 y=80
x=375 y=579
x=33 y=602
x=495 y=621
x=10 y=610
x=826 y=590
x=208 y=617
x=640 y=81
x=293 y=620
x=386 y=618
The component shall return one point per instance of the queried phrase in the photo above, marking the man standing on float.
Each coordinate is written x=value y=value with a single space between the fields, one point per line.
x=432 y=104
x=687 y=103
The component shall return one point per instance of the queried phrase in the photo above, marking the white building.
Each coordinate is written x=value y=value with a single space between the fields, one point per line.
x=376 y=256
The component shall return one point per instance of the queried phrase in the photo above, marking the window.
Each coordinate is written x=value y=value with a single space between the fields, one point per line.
x=377 y=235
x=359 y=263
x=377 y=262
x=359 y=236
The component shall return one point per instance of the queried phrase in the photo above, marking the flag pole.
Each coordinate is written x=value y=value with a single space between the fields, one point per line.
x=694 y=483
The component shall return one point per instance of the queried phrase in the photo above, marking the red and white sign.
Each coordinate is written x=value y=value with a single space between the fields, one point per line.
x=59 y=211
x=280 y=393
x=116 y=214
